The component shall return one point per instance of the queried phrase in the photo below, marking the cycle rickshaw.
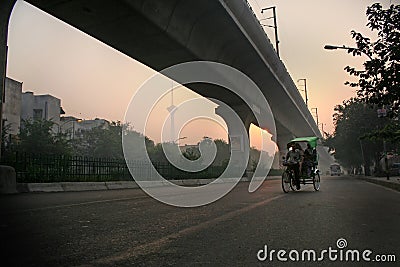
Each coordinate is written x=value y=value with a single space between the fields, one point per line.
x=309 y=173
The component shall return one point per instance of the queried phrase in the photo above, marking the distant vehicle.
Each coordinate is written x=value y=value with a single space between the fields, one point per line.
x=335 y=169
x=395 y=169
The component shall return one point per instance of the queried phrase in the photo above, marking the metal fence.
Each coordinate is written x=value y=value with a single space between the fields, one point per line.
x=61 y=168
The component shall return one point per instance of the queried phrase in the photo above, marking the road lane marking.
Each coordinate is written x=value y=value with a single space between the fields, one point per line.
x=77 y=204
x=146 y=197
x=155 y=245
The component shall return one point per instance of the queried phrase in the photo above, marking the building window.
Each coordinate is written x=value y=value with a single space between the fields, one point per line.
x=37 y=114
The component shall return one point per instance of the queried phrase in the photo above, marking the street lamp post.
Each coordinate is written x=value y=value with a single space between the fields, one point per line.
x=305 y=89
x=363 y=157
x=382 y=114
x=350 y=49
x=386 y=160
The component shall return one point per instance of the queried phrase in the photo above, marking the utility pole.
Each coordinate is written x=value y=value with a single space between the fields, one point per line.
x=305 y=89
x=275 y=26
x=386 y=160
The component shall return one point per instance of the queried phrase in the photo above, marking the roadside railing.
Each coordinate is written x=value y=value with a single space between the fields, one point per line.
x=61 y=168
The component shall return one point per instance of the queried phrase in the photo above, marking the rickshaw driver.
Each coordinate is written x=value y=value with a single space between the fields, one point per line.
x=294 y=157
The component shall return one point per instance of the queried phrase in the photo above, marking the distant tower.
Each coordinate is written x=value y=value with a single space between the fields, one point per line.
x=172 y=110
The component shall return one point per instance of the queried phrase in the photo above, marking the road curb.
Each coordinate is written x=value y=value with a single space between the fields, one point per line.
x=83 y=186
x=121 y=185
x=395 y=186
x=44 y=187
x=115 y=185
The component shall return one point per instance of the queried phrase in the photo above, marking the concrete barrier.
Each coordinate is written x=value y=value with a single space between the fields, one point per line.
x=8 y=182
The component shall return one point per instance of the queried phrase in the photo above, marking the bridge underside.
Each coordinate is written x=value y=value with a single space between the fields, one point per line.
x=164 y=33
x=161 y=34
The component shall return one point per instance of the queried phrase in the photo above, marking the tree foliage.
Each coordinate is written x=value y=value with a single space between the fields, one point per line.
x=359 y=132
x=353 y=120
x=101 y=142
x=223 y=152
x=390 y=133
x=379 y=82
x=106 y=142
x=37 y=136
x=5 y=141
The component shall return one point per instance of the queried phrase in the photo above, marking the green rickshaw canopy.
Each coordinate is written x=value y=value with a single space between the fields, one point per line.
x=312 y=140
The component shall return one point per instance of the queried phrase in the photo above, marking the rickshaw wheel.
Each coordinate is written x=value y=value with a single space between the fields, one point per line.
x=286 y=182
x=316 y=181
x=293 y=184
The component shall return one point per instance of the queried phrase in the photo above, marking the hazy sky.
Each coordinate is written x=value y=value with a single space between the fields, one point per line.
x=93 y=80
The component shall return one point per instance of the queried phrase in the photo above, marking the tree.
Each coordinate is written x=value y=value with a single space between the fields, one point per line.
x=192 y=153
x=390 y=133
x=223 y=153
x=107 y=142
x=36 y=136
x=100 y=142
x=5 y=140
x=353 y=120
x=378 y=83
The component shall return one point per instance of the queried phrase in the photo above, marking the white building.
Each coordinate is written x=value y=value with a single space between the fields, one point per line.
x=20 y=106
x=12 y=106
x=45 y=107
x=75 y=127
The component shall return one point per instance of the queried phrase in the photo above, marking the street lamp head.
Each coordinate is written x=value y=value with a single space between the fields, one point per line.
x=330 y=47
x=334 y=47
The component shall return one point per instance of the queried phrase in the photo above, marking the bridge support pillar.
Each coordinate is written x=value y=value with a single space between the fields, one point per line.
x=238 y=133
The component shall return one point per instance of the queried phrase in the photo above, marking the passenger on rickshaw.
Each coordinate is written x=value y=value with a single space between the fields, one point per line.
x=294 y=157
x=310 y=155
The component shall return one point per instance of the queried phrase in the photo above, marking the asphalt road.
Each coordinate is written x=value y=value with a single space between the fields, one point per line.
x=128 y=228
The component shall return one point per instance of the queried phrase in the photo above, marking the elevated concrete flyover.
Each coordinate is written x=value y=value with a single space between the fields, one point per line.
x=164 y=33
